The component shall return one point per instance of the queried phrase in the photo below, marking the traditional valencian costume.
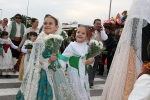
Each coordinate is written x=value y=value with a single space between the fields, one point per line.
x=6 y=62
x=40 y=81
x=130 y=53
x=77 y=71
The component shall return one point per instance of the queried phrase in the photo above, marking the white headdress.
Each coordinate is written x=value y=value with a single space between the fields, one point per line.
x=127 y=61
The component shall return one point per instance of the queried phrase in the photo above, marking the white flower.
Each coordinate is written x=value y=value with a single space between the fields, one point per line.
x=59 y=37
x=53 y=36
x=100 y=45
x=94 y=41
x=28 y=42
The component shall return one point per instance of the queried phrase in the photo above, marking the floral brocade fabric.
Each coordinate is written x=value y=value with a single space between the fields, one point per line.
x=45 y=89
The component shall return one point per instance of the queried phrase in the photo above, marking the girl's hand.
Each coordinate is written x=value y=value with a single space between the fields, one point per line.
x=66 y=73
x=89 y=61
x=18 y=49
x=29 y=50
x=52 y=58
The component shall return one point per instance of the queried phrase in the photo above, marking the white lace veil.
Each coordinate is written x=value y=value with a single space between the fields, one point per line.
x=29 y=86
x=130 y=43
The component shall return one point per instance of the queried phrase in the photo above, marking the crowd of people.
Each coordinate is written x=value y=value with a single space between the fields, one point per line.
x=126 y=42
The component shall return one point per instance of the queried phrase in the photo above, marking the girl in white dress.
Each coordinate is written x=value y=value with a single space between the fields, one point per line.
x=6 y=63
x=77 y=65
x=26 y=49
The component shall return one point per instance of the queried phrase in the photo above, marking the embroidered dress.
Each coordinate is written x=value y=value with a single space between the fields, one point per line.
x=6 y=55
x=40 y=82
x=77 y=71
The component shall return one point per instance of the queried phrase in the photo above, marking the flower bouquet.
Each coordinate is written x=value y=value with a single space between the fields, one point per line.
x=95 y=48
x=64 y=34
x=28 y=46
x=53 y=43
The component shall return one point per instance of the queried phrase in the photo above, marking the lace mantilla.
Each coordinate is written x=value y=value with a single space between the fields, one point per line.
x=127 y=61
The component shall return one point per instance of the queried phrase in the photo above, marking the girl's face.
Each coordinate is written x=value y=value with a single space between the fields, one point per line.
x=33 y=38
x=5 y=37
x=36 y=23
x=81 y=34
x=49 y=25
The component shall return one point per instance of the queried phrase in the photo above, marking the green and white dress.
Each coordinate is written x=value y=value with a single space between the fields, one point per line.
x=40 y=82
x=77 y=71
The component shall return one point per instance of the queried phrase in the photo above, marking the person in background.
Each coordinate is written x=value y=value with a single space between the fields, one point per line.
x=5 y=22
x=26 y=49
x=98 y=34
x=73 y=37
x=116 y=40
x=6 y=64
x=1 y=27
x=34 y=28
x=16 y=31
x=108 y=44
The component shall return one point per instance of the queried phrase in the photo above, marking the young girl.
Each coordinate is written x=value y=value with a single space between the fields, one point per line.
x=6 y=63
x=141 y=89
x=77 y=65
x=26 y=49
x=41 y=82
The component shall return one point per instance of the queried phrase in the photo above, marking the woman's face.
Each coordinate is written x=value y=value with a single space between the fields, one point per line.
x=49 y=25
x=36 y=23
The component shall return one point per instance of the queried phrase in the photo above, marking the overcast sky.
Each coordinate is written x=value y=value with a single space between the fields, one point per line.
x=82 y=11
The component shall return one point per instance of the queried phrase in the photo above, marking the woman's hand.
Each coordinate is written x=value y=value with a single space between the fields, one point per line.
x=52 y=58
x=89 y=61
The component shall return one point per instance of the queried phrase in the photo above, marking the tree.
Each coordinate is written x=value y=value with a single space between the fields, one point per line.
x=25 y=20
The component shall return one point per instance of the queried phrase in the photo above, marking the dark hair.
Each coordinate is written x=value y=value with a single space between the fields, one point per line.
x=107 y=27
x=56 y=21
x=18 y=15
x=86 y=28
x=31 y=34
x=33 y=20
x=96 y=20
x=4 y=33
x=5 y=18
x=47 y=15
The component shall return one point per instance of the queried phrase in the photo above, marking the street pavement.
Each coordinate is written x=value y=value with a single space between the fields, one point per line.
x=9 y=87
